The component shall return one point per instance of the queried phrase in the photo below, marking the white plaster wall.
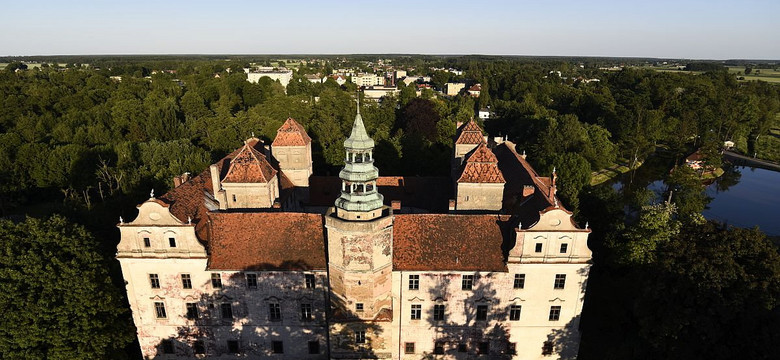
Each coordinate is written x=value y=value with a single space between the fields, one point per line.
x=496 y=291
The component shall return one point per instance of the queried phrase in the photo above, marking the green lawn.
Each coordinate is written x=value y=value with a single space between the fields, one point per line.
x=768 y=146
x=603 y=175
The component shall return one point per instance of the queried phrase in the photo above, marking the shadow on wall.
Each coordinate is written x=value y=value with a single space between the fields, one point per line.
x=481 y=333
x=257 y=314
x=564 y=342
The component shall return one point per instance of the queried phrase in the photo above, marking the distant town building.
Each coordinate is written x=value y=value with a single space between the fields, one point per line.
x=378 y=92
x=282 y=75
x=365 y=79
x=315 y=78
x=453 y=89
x=475 y=90
x=340 y=79
x=484 y=114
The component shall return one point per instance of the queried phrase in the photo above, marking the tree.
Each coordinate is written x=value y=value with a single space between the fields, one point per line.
x=656 y=226
x=712 y=294
x=57 y=298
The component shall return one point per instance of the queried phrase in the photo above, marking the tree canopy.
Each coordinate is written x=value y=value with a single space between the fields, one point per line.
x=57 y=298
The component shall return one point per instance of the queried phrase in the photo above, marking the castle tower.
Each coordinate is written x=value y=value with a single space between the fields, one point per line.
x=249 y=183
x=292 y=149
x=481 y=183
x=360 y=238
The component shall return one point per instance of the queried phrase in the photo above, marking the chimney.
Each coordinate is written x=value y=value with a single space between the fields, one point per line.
x=396 y=205
x=181 y=179
x=528 y=190
x=215 y=180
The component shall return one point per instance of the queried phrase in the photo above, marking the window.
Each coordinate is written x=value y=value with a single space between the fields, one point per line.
x=314 y=347
x=467 y=282
x=538 y=247
x=172 y=242
x=234 y=197
x=360 y=337
x=416 y=311
x=186 y=281
x=409 y=348
x=519 y=281
x=192 y=311
x=438 y=312
x=199 y=347
x=278 y=347
x=564 y=248
x=154 y=281
x=514 y=312
x=167 y=346
x=159 y=310
x=251 y=281
x=227 y=310
x=482 y=312
x=555 y=313
x=414 y=282
x=216 y=281
x=147 y=242
x=310 y=281
x=463 y=348
x=484 y=348
x=560 y=281
x=305 y=312
x=274 y=312
x=233 y=346
x=359 y=307
x=438 y=348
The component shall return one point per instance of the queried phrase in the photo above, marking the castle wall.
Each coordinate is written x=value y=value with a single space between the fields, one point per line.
x=460 y=324
x=295 y=162
x=479 y=196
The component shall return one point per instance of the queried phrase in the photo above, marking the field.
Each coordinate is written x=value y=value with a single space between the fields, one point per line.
x=768 y=75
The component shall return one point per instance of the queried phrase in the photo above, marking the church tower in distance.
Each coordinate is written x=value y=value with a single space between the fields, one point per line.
x=359 y=233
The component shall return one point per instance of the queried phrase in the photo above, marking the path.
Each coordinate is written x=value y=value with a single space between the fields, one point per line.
x=749 y=161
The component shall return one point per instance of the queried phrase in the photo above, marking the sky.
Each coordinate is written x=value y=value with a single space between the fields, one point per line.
x=715 y=29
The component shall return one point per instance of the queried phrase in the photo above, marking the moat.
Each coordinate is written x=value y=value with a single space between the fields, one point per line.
x=744 y=196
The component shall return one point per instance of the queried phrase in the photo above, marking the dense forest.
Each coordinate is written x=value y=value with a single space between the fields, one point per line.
x=89 y=142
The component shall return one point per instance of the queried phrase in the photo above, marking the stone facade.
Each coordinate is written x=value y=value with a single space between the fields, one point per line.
x=268 y=273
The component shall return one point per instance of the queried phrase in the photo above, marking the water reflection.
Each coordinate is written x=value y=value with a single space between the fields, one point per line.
x=743 y=196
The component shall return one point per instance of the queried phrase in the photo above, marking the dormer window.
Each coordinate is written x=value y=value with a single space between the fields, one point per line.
x=172 y=242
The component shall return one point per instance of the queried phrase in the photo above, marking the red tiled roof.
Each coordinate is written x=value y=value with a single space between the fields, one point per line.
x=481 y=167
x=291 y=133
x=266 y=241
x=476 y=87
x=470 y=133
x=446 y=242
x=249 y=166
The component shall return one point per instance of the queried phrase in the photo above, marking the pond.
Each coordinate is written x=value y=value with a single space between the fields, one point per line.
x=743 y=197
x=753 y=201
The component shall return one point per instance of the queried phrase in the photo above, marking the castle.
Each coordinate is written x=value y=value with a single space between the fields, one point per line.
x=257 y=258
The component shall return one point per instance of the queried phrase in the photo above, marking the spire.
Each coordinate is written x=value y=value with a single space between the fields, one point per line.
x=359 y=196
x=359 y=139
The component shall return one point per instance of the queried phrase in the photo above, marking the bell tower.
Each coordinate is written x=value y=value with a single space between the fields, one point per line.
x=360 y=245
